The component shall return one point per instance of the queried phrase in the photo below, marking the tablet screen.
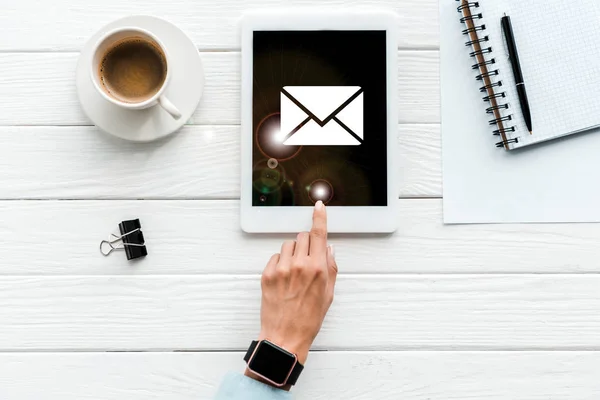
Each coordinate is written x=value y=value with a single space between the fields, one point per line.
x=319 y=118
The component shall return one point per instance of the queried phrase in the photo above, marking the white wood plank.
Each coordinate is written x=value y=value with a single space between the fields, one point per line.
x=84 y=162
x=38 y=89
x=221 y=312
x=328 y=376
x=211 y=24
x=203 y=237
x=419 y=98
x=420 y=160
x=198 y=162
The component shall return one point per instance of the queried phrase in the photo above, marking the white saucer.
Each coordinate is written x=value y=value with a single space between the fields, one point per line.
x=184 y=90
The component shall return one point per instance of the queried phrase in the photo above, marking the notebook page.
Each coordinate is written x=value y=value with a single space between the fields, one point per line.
x=559 y=48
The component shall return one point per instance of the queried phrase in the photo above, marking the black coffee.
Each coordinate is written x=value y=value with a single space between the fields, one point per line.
x=133 y=70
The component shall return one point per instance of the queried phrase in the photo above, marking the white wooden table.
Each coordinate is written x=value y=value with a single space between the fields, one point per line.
x=432 y=312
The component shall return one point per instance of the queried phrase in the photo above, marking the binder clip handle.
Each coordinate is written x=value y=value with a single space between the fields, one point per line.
x=131 y=240
x=110 y=243
x=107 y=245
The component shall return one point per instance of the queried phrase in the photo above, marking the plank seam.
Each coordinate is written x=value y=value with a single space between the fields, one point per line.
x=383 y=349
x=200 y=49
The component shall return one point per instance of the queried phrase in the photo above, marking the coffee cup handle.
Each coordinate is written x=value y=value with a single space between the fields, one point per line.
x=169 y=107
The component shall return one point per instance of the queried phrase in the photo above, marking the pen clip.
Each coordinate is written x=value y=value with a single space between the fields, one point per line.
x=505 y=41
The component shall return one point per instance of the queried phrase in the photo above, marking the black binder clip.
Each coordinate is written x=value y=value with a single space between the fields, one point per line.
x=132 y=241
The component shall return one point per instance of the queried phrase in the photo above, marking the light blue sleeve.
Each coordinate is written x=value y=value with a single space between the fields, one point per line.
x=240 y=387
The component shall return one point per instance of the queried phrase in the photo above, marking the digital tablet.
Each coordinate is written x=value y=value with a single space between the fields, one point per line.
x=319 y=120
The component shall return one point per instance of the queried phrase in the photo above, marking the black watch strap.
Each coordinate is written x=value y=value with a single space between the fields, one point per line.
x=296 y=371
x=250 y=350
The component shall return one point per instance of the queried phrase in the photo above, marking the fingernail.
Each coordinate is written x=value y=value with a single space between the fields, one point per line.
x=331 y=251
x=319 y=206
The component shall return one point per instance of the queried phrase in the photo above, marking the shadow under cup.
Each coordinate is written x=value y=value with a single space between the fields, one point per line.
x=130 y=68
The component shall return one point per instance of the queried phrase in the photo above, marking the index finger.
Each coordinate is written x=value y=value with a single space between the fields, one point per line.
x=318 y=233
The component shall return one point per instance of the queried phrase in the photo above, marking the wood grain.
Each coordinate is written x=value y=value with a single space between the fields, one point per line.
x=203 y=237
x=371 y=312
x=420 y=160
x=211 y=24
x=200 y=162
x=329 y=376
x=38 y=89
x=83 y=162
x=419 y=97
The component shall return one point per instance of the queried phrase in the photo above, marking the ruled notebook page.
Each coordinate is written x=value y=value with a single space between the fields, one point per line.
x=559 y=48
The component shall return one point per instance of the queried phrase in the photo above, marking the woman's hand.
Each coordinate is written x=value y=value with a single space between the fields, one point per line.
x=297 y=288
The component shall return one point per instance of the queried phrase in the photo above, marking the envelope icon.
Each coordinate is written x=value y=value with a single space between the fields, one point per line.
x=321 y=116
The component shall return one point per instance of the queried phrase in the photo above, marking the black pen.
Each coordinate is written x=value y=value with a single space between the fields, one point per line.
x=516 y=66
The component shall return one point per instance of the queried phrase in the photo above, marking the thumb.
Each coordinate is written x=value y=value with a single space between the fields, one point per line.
x=332 y=268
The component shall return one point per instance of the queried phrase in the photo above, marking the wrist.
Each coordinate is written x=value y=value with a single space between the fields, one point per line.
x=252 y=375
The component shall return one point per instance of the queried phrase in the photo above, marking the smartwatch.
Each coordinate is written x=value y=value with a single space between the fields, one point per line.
x=273 y=363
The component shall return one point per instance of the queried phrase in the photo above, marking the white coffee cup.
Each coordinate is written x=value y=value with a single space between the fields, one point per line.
x=106 y=42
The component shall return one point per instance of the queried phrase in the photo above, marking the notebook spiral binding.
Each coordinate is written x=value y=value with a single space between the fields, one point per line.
x=485 y=64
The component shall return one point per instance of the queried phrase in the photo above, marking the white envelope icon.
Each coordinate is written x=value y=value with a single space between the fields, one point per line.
x=321 y=116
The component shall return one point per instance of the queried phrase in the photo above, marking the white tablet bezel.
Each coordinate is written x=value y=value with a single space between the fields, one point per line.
x=340 y=219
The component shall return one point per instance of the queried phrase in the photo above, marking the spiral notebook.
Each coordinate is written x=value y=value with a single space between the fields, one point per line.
x=559 y=48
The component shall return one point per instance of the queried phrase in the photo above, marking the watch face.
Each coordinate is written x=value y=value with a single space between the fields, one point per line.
x=272 y=362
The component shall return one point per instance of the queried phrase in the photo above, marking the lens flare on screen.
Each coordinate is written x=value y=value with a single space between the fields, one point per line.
x=267 y=178
x=269 y=139
x=270 y=184
x=278 y=136
x=336 y=183
x=320 y=190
